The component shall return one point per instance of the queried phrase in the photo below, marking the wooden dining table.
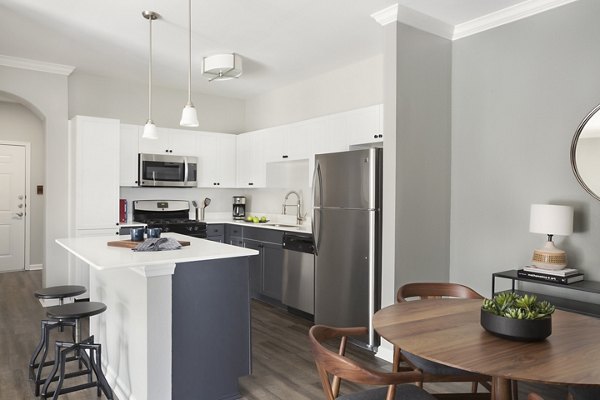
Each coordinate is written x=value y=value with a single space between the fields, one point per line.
x=448 y=331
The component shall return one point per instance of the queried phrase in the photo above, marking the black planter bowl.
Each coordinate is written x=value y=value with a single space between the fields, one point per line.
x=525 y=330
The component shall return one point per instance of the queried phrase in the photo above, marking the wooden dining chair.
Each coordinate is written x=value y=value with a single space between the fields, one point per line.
x=393 y=385
x=432 y=371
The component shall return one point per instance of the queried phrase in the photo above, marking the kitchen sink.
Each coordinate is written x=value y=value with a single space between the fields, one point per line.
x=277 y=225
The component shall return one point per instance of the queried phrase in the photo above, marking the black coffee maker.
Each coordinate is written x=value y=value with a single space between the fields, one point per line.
x=239 y=207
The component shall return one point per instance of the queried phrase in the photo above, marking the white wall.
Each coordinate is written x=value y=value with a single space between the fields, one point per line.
x=519 y=94
x=46 y=95
x=353 y=86
x=18 y=123
x=99 y=96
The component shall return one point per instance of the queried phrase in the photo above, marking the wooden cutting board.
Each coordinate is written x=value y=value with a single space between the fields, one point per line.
x=130 y=244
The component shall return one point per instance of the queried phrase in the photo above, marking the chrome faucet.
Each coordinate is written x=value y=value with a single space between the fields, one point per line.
x=298 y=206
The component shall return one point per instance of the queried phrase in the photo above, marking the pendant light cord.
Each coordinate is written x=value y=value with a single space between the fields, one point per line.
x=150 y=75
x=190 y=54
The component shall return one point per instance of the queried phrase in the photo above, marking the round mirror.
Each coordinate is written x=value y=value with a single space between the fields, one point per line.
x=585 y=153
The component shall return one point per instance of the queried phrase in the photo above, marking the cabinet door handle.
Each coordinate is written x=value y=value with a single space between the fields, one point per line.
x=284 y=156
x=380 y=135
x=250 y=183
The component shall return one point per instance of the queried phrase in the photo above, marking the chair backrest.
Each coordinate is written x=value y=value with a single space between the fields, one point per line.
x=435 y=290
x=341 y=367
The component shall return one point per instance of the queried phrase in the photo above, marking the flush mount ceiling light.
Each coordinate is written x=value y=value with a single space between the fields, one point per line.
x=221 y=67
x=150 y=128
x=189 y=117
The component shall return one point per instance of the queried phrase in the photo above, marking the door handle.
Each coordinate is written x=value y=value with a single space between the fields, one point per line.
x=19 y=214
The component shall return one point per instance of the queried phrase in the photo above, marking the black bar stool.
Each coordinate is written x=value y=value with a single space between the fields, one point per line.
x=93 y=361
x=54 y=292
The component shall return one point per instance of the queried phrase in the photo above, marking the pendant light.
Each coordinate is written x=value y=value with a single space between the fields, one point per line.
x=189 y=117
x=150 y=128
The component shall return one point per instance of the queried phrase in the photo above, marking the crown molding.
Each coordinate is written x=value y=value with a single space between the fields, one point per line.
x=34 y=65
x=506 y=16
x=416 y=19
x=387 y=15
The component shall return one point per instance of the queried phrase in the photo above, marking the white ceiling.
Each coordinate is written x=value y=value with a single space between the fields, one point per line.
x=281 y=41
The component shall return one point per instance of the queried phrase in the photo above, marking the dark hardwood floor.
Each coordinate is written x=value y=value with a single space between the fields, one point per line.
x=282 y=363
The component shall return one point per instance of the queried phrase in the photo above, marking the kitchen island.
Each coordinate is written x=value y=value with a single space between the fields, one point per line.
x=177 y=324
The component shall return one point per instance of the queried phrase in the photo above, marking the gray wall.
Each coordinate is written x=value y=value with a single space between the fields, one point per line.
x=127 y=101
x=19 y=124
x=423 y=111
x=519 y=93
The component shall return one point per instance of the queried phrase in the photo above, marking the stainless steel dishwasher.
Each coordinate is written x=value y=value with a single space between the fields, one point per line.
x=298 y=272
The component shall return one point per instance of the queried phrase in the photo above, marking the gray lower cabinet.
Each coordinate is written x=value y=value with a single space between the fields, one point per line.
x=211 y=329
x=255 y=268
x=215 y=232
x=266 y=269
x=234 y=235
x=272 y=276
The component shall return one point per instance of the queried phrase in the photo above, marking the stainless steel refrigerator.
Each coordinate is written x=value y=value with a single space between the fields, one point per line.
x=347 y=190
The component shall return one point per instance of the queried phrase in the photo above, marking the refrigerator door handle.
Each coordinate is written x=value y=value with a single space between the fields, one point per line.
x=316 y=228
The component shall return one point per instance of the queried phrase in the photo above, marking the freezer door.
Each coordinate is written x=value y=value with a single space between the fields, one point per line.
x=348 y=179
x=346 y=287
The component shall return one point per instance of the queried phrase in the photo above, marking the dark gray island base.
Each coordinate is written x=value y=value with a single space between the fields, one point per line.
x=211 y=329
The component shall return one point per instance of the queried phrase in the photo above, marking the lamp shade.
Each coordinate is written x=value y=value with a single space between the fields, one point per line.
x=551 y=219
x=189 y=117
x=150 y=131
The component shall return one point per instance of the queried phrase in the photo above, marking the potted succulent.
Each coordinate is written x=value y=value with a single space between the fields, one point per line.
x=517 y=317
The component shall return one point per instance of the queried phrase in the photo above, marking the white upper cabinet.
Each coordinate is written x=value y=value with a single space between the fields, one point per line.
x=170 y=141
x=129 y=155
x=365 y=125
x=288 y=142
x=216 y=159
x=251 y=163
x=96 y=170
x=182 y=142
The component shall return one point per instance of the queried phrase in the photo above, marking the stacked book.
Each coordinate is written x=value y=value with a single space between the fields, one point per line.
x=563 y=276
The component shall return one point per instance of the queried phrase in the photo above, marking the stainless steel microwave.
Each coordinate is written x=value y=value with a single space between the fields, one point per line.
x=167 y=171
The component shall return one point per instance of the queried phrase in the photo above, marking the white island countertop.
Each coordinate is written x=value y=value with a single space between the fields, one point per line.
x=96 y=252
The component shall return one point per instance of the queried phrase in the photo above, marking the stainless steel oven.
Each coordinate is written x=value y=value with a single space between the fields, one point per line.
x=167 y=170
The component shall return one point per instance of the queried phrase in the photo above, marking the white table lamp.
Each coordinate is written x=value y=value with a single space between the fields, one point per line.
x=550 y=220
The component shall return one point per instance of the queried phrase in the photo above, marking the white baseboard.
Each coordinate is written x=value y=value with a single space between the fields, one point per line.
x=35 y=267
x=122 y=390
x=385 y=351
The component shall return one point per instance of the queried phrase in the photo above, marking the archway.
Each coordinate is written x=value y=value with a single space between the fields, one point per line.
x=45 y=94
x=21 y=128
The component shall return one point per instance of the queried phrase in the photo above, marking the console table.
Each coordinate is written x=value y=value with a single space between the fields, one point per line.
x=576 y=306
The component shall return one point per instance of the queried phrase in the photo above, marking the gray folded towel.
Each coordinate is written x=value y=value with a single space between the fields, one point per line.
x=158 y=244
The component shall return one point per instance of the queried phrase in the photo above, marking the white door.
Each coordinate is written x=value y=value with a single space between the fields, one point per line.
x=12 y=208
